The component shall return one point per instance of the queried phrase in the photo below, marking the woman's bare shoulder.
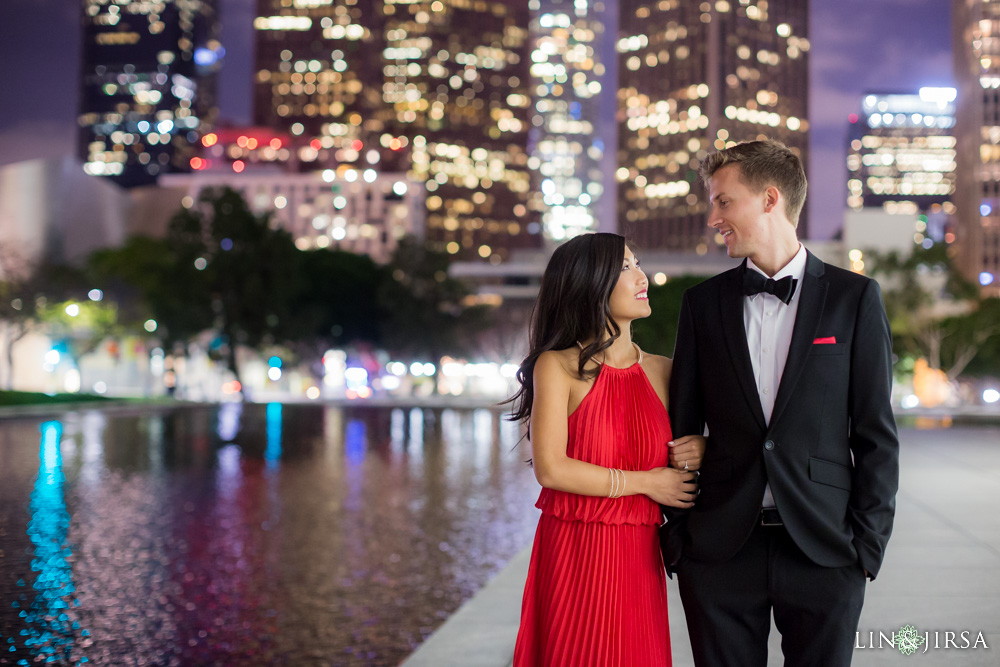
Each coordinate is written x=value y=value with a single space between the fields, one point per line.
x=558 y=362
x=657 y=365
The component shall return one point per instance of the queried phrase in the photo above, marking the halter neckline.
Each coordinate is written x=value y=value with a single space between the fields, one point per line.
x=637 y=362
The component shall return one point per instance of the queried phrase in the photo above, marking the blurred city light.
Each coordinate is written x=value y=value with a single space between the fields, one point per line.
x=909 y=402
x=991 y=396
x=273 y=373
x=356 y=377
x=940 y=96
x=986 y=278
x=71 y=381
x=334 y=367
x=95 y=295
x=150 y=326
x=72 y=310
x=312 y=393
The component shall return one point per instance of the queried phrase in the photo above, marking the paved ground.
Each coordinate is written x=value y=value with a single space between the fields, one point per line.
x=941 y=572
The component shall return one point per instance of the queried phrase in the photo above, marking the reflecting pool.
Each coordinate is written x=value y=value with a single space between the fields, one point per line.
x=251 y=534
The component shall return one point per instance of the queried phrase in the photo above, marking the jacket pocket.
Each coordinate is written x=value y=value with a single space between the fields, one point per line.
x=829 y=348
x=829 y=473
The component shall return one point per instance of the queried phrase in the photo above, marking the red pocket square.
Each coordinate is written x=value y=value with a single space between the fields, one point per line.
x=829 y=340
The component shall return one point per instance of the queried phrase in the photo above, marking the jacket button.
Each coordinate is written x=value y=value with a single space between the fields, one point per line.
x=769 y=444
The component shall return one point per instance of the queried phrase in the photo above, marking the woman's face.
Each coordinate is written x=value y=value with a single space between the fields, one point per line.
x=629 y=300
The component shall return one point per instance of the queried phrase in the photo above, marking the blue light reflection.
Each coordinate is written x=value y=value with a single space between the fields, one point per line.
x=50 y=633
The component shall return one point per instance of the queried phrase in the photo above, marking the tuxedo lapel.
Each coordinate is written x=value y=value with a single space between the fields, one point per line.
x=731 y=305
x=811 y=301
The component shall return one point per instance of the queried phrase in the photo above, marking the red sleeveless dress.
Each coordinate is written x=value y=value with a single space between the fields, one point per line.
x=596 y=591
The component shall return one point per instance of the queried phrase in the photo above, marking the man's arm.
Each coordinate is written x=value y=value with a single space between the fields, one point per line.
x=873 y=438
x=686 y=412
x=686 y=418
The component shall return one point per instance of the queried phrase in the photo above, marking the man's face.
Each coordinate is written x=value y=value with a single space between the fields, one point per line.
x=738 y=213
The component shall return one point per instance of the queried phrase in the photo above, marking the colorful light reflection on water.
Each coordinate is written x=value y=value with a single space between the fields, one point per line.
x=49 y=633
x=262 y=534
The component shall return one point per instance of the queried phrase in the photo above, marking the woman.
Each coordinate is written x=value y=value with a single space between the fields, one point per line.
x=599 y=432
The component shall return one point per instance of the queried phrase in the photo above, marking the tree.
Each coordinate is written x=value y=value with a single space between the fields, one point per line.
x=657 y=333
x=249 y=269
x=18 y=294
x=425 y=312
x=155 y=279
x=337 y=302
x=78 y=326
x=934 y=312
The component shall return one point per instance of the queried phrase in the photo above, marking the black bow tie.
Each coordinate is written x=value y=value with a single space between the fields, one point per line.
x=754 y=282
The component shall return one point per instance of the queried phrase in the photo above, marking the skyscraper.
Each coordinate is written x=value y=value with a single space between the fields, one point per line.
x=573 y=135
x=147 y=86
x=901 y=155
x=695 y=78
x=438 y=88
x=976 y=26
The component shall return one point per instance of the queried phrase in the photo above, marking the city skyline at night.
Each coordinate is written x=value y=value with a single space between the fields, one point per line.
x=894 y=48
x=733 y=72
x=572 y=138
x=147 y=86
x=902 y=157
x=435 y=88
x=977 y=129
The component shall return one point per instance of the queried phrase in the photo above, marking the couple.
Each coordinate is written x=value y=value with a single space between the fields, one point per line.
x=784 y=364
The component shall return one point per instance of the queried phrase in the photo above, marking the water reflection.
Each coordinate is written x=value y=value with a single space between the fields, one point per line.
x=50 y=633
x=273 y=452
x=259 y=534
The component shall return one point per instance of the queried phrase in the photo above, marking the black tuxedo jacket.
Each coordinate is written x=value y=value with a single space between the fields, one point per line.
x=830 y=451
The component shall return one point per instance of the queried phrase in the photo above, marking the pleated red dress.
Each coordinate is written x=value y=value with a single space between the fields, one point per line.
x=596 y=591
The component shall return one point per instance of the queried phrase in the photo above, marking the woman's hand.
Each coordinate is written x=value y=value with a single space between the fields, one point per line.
x=687 y=452
x=674 y=488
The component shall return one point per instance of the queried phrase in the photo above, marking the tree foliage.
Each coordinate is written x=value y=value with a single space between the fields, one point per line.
x=425 y=315
x=225 y=270
x=657 y=333
x=934 y=312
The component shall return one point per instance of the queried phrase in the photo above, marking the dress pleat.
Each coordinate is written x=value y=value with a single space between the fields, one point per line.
x=596 y=591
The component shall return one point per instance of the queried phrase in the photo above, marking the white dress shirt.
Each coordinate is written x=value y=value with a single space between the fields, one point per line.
x=769 y=323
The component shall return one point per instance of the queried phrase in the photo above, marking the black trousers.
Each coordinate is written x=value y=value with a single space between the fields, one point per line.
x=728 y=605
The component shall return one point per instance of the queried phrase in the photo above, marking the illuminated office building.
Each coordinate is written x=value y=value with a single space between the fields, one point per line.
x=694 y=78
x=364 y=212
x=435 y=88
x=238 y=149
x=976 y=26
x=572 y=136
x=147 y=86
x=901 y=156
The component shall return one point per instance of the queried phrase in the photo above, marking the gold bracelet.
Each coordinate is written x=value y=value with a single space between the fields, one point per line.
x=623 y=484
x=611 y=493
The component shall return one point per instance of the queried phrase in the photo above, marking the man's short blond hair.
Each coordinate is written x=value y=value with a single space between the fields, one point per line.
x=763 y=164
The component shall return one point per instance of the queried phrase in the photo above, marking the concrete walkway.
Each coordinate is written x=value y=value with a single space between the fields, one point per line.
x=941 y=572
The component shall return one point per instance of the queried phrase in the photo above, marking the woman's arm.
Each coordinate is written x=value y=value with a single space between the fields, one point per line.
x=555 y=470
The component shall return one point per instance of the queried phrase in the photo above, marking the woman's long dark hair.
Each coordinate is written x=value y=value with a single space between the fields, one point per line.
x=573 y=305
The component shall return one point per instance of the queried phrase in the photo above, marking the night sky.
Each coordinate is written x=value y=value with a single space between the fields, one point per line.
x=858 y=46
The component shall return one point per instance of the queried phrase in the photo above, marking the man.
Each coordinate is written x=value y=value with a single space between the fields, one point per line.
x=787 y=361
